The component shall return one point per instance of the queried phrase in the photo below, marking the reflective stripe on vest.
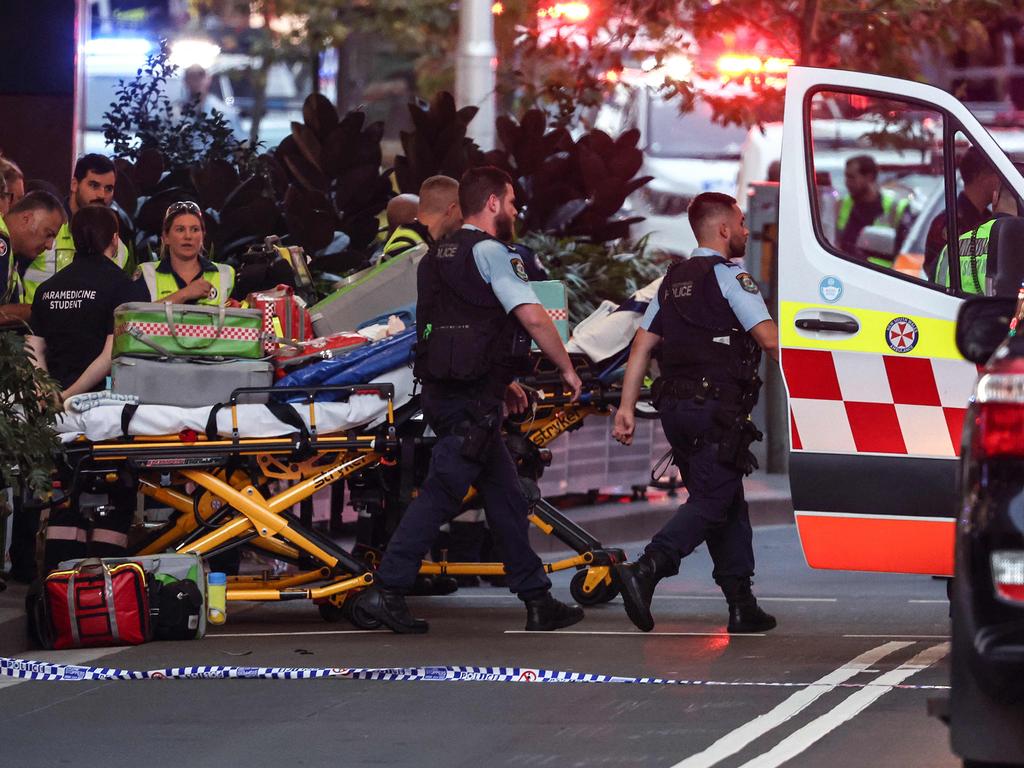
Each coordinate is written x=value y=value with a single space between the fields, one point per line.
x=973 y=248
x=48 y=263
x=401 y=240
x=161 y=284
x=892 y=211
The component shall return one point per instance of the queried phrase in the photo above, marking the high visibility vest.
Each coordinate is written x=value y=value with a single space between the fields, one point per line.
x=973 y=248
x=401 y=240
x=892 y=211
x=48 y=263
x=163 y=284
x=10 y=280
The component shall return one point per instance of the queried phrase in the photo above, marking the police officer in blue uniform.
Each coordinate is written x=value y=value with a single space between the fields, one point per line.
x=714 y=324
x=476 y=313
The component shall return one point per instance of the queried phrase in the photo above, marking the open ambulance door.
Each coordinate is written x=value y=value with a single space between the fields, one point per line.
x=877 y=390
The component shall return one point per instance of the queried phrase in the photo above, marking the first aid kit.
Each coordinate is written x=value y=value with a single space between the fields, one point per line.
x=181 y=330
x=285 y=316
x=95 y=604
x=177 y=590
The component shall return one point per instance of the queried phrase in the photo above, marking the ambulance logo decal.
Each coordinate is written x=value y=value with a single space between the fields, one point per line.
x=901 y=335
x=3 y=247
x=831 y=289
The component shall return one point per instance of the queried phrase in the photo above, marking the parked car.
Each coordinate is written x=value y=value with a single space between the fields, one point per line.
x=986 y=705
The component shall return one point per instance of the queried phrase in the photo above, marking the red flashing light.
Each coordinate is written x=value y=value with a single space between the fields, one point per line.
x=498 y=8
x=566 y=13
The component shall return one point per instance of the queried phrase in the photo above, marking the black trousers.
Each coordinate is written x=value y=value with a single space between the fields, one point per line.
x=715 y=511
x=440 y=499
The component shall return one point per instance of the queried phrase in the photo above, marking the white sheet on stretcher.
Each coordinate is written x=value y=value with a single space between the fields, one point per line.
x=254 y=420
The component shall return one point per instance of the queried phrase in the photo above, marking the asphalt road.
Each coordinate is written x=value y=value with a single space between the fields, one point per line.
x=817 y=691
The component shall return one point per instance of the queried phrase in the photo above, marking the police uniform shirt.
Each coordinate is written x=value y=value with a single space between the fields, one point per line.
x=738 y=288
x=503 y=269
x=73 y=312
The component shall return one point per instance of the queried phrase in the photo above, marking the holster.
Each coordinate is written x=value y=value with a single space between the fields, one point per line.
x=477 y=433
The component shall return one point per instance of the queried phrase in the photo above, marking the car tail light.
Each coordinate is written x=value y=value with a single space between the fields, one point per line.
x=999 y=420
x=1008 y=575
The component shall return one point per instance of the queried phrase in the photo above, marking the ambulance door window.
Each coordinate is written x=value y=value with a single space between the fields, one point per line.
x=877 y=164
x=968 y=264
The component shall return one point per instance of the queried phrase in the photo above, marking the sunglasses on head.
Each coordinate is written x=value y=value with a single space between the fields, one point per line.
x=184 y=205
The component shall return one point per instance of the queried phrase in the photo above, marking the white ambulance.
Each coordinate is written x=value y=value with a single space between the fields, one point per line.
x=877 y=389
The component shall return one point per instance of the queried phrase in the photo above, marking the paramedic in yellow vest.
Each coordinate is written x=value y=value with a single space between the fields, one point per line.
x=30 y=226
x=91 y=184
x=866 y=205
x=974 y=246
x=437 y=215
x=184 y=275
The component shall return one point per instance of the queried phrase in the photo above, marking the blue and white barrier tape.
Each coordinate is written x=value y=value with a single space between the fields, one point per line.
x=27 y=669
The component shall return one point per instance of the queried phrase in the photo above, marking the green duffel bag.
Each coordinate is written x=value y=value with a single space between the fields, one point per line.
x=183 y=330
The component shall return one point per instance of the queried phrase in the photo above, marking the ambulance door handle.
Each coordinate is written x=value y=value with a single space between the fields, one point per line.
x=837 y=326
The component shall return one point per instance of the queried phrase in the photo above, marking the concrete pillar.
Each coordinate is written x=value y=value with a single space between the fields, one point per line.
x=475 y=65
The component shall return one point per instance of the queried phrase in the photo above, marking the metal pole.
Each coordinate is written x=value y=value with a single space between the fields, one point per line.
x=474 y=72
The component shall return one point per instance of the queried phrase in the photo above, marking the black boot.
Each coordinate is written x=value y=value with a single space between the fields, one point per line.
x=544 y=614
x=637 y=581
x=745 y=615
x=388 y=606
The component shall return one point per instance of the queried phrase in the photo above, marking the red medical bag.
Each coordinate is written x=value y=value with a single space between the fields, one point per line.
x=96 y=605
x=284 y=316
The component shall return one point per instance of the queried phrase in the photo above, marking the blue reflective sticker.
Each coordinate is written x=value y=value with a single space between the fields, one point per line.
x=831 y=289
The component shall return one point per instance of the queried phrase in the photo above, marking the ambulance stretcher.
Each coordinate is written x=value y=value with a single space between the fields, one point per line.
x=214 y=466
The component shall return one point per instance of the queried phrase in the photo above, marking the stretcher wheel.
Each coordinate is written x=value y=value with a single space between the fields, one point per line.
x=602 y=593
x=354 y=613
x=331 y=613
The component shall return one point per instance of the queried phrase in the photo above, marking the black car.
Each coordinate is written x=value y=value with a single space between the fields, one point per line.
x=986 y=705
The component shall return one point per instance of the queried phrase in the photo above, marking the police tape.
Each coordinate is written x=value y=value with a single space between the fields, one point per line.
x=26 y=669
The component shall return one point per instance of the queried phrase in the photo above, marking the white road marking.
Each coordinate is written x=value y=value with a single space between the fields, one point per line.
x=77 y=657
x=898 y=637
x=846 y=710
x=929 y=602
x=738 y=739
x=297 y=634
x=635 y=633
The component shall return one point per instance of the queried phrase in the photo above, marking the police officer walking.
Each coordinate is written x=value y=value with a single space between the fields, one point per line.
x=714 y=324
x=476 y=314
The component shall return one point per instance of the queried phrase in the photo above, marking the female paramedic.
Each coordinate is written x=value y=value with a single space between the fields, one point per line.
x=72 y=325
x=184 y=275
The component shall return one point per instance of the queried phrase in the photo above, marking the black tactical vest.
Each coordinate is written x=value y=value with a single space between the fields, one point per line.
x=465 y=338
x=701 y=336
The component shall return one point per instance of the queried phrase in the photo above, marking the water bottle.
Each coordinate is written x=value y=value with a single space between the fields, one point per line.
x=216 y=598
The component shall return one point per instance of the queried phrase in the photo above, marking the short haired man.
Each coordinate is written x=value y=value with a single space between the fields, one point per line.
x=92 y=183
x=714 y=324
x=437 y=215
x=30 y=226
x=866 y=205
x=981 y=182
x=476 y=313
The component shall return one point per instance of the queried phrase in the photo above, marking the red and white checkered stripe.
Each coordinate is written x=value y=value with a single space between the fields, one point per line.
x=558 y=314
x=853 y=402
x=191 y=331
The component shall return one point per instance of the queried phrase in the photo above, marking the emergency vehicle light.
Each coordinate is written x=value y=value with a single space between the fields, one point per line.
x=1008 y=575
x=739 y=64
x=571 y=13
